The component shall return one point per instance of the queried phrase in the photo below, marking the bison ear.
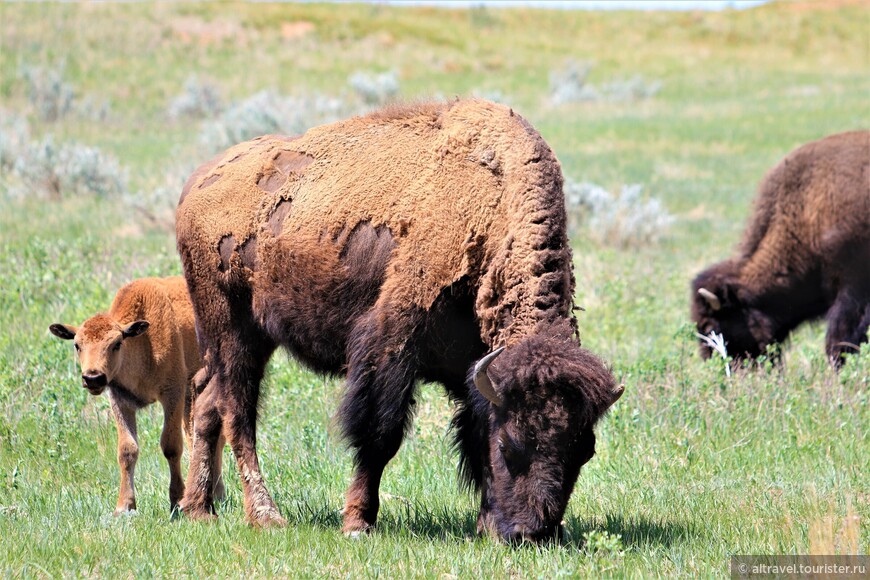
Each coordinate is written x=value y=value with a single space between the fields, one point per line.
x=63 y=331
x=135 y=328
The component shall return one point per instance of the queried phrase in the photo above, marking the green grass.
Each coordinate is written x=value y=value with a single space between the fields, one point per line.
x=691 y=466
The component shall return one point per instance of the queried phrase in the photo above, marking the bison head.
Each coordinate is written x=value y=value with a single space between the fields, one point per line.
x=99 y=347
x=721 y=305
x=545 y=394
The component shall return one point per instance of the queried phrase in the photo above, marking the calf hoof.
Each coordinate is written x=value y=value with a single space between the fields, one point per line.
x=124 y=511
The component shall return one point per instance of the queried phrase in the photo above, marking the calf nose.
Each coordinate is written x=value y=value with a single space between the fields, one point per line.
x=94 y=380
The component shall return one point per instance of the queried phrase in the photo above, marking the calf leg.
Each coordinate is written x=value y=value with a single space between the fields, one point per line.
x=172 y=444
x=128 y=454
x=848 y=321
x=374 y=413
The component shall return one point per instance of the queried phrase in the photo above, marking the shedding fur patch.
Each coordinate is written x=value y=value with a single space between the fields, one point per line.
x=279 y=214
x=225 y=249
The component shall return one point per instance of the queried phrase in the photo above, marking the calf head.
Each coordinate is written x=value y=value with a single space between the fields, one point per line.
x=721 y=305
x=99 y=344
x=545 y=395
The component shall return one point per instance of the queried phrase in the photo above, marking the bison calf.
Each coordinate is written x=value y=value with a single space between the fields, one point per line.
x=141 y=351
x=805 y=254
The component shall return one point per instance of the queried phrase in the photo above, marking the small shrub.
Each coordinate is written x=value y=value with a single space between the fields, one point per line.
x=14 y=136
x=634 y=88
x=602 y=544
x=52 y=97
x=159 y=199
x=570 y=85
x=375 y=89
x=268 y=112
x=199 y=99
x=625 y=220
x=50 y=170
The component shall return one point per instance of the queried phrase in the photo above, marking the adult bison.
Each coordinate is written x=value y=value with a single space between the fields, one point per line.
x=805 y=254
x=399 y=246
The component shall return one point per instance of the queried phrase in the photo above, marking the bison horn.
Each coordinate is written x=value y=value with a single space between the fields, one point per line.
x=711 y=298
x=617 y=392
x=481 y=379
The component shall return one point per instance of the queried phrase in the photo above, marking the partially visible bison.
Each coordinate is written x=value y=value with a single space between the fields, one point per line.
x=141 y=351
x=805 y=254
x=400 y=246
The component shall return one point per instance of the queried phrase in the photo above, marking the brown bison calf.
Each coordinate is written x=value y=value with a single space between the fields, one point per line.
x=805 y=254
x=143 y=350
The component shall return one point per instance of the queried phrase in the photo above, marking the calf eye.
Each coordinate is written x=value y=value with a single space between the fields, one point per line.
x=116 y=347
x=78 y=348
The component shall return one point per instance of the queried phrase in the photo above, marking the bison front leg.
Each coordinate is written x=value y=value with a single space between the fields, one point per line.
x=848 y=321
x=472 y=440
x=374 y=415
x=128 y=454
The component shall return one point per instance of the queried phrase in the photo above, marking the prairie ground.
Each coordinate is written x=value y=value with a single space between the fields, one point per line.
x=692 y=466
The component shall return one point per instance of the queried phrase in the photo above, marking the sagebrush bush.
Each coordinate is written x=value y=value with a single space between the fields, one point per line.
x=624 y=220
x=375 y=89
x=46 y=169
x=198 y=99
x=51 y=96
x=14 y=135
x=268 y=112
x=569 y=85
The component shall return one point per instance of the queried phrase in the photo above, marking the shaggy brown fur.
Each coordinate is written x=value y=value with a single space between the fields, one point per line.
x=805 y=254
x=395 y=247
x=141 y=351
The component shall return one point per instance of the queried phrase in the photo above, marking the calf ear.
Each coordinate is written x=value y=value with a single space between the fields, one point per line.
x=63 y=331
x=135 y=328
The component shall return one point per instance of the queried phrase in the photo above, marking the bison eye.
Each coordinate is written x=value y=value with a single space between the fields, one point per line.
x=116 y=347
x=78 y=348
x=513 y=453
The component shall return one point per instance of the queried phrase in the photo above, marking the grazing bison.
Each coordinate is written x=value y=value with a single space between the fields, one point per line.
x=805 y=254
x=141 y=351
x=400 y=246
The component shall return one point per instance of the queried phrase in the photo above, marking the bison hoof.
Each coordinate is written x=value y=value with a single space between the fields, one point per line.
x=357 y=534
x=268 y=518
x=356 y=528
x=197 y=514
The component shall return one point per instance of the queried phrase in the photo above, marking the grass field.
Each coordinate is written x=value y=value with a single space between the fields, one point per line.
x=692 y=466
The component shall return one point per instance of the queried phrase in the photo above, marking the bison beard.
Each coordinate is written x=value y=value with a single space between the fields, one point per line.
x=805 y=254
x=393 y=248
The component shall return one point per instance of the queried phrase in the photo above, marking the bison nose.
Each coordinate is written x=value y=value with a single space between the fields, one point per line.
x=94 y=380
x=520 y=534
